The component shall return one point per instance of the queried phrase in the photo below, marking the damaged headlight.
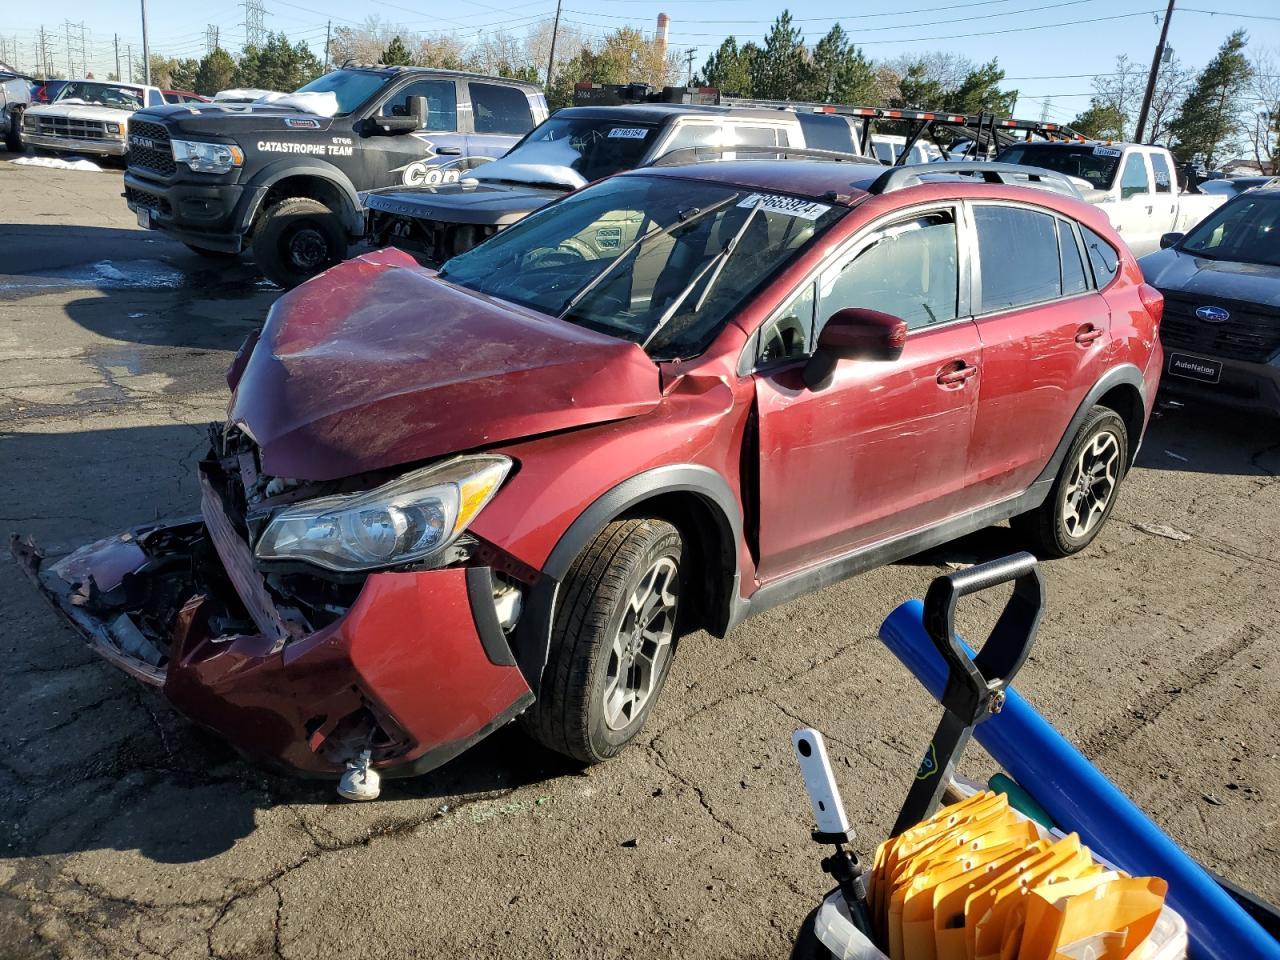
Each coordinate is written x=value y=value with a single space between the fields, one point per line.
x=207 y=157
x=410 y=519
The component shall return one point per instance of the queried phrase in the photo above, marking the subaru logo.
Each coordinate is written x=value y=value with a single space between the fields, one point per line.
x=143 y=141
x=1213 y=315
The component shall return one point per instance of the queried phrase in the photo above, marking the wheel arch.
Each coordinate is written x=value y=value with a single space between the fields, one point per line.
x=696 y=500
x=326 y=184
x=1120 y=387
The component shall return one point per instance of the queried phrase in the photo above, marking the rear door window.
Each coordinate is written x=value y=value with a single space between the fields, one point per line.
x=442 y=103
x=1074 y=279
x=1134 y=181
x=1160 y=167
x=755 y=136
x=1018 y=256
x=500 y=109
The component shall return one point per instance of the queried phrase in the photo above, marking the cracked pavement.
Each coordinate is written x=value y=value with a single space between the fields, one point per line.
x=127 y=832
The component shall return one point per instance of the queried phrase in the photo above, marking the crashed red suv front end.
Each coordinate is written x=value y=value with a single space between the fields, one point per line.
x=413 y=666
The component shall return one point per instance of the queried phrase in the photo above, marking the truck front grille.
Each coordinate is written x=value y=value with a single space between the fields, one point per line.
x=1250 y=334
x=158 y=156
x=141 y=198
x=66 y=127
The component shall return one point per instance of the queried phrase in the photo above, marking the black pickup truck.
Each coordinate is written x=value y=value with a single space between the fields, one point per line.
x=577 y=146
x=282 y=178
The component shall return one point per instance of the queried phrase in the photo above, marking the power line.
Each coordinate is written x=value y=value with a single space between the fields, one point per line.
x=861 y=30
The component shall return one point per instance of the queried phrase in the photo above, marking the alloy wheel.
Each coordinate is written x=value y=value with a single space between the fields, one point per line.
x=641 y=645
x=1091 y=484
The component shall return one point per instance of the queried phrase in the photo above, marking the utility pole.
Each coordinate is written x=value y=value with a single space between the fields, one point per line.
x=119 y=77
x=551 y=60
x=71 y=70
x=129 y=55
x=146 y=48
x=688 y=59
x=1151 y=78
x=44 y=53
x=328 y=30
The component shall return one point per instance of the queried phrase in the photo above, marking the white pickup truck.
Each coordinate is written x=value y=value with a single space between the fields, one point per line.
x=1136 y=184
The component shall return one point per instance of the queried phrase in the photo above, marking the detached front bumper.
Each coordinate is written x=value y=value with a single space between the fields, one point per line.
x=416 y=670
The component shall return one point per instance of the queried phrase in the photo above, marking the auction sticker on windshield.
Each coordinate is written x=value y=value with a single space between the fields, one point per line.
x=1107 y=152
x=790 y=206
x=628 y=133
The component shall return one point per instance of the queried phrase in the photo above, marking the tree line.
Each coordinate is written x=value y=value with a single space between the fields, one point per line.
x=276 y=64
x=1231 y=107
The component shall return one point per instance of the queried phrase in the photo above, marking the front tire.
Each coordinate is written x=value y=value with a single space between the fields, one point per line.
x=297 y=238
x=1085 y=490
x=612 y=639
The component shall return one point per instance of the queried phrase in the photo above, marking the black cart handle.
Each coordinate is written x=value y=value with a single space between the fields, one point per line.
x=972 y=683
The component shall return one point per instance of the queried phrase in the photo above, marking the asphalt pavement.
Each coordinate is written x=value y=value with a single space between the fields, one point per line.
x=126 y=832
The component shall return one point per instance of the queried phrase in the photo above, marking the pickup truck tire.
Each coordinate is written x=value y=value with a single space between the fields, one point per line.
x=13 y=135
x=612 y=638
x=211 y=254
x=297 y=238
x=1085 y=490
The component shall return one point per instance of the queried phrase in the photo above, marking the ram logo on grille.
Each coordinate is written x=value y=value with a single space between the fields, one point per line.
x=1213 y=314
x=142 y=141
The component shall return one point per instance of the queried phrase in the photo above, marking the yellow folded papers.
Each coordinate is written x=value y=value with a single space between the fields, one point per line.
x=979 y=882
x=1106 y=916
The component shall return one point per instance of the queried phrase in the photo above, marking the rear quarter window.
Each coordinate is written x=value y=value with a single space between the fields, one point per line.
x=1102 y=257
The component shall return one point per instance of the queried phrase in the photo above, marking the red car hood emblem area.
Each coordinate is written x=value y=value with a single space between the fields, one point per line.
x=377 y=363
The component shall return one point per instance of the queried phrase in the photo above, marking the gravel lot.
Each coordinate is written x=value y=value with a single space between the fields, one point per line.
x=124 y=832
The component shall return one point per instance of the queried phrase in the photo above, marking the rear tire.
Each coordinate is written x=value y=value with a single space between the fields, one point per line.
x=211 y=254
x=1085 y=490
x=612 y=639
x=297 y=238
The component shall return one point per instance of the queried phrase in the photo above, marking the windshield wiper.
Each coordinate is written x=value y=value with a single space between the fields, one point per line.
x=714 y=266
x=683 y=219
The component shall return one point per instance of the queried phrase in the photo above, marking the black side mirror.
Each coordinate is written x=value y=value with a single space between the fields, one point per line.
x=854 y=334
x=1167 y=240
x=415 y=119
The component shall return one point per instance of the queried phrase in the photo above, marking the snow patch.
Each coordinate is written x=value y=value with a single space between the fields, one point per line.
x=58 y=163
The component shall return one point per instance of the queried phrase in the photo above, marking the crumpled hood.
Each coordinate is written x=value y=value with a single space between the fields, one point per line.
x=377 y=363
x=468 y=202
x=235 y=119
x=1174 y=272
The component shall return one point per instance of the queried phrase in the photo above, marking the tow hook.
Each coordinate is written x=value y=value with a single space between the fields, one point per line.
x=361 y=781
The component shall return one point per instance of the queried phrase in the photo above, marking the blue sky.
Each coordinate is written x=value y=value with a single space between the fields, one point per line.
x=1048 y=49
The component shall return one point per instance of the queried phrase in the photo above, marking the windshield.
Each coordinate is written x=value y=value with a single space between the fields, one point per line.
x=659 y=261
x=1095 y=164
x=571 y=152
x=101 y=94
x=351 y=87
x=1245 y=229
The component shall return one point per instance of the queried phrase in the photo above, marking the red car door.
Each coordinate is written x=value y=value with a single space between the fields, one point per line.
x=881 y=451
x=1044 y=332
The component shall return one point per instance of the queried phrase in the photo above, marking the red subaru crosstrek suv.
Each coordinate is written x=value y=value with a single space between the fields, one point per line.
x=670 y=400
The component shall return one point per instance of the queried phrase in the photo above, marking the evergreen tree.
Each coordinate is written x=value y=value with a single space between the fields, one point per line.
x=216 y=72
x=980 y=92
x=729 y=68
x=1210 y=119
x=839 y=72
x=1100 y=121
x=183 y=74
x=277 y=65
x=396 y=54
x=782 y=67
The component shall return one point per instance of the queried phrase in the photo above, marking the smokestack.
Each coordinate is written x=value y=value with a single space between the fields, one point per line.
x=664 y=22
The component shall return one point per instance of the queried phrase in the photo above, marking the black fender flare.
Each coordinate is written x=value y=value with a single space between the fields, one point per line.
x=352 y=212
x=533 y=634
x=1125 y=374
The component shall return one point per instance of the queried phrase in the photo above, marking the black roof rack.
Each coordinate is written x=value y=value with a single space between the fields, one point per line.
x=1016 y=175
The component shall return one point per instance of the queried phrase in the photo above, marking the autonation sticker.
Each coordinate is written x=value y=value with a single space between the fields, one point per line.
x=791 y=206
